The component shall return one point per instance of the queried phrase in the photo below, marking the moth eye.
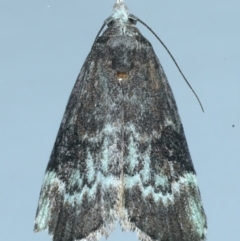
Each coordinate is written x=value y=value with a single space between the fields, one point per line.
x=109 y=24
x=122 y=75
x=132 y=21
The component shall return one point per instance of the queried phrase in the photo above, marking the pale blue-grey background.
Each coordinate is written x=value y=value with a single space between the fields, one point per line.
x=43 y=45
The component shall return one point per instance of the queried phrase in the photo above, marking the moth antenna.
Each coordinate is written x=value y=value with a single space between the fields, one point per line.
x=104 y=24
x=175 y=62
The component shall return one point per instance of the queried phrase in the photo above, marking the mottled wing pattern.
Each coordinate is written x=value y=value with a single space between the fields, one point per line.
x=82 y=184
x=121 y=151
x=161 y=194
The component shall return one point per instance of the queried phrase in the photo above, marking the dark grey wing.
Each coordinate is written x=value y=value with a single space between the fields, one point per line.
x=161 y=196
x=80 y=191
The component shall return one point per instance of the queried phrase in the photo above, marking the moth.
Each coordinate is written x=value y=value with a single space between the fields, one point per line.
x=121 y=153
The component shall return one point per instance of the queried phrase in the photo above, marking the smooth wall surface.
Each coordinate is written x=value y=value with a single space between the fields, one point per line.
x=43 y=45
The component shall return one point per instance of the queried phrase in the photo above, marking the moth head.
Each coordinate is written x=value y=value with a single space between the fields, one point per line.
x=111 y=21
x=120 y=11
x=120 y=15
